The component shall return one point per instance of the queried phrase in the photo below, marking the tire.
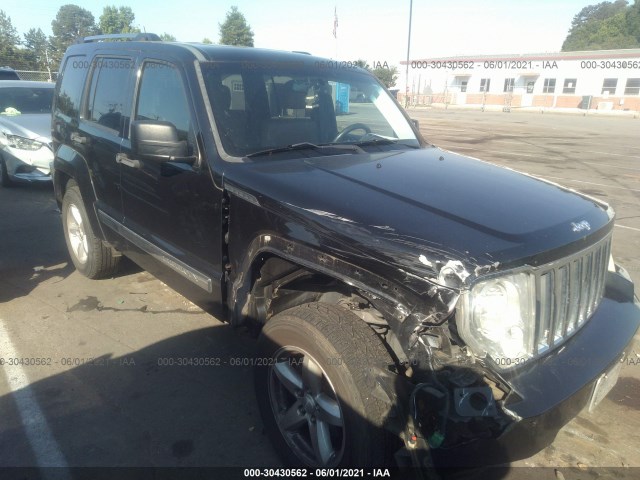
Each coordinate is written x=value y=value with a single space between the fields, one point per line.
x=314 y=381
x=5 y=181
x=89 y=254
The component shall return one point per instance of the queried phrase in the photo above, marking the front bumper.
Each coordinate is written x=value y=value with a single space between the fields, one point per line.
x=551 y=391
x=28 y=166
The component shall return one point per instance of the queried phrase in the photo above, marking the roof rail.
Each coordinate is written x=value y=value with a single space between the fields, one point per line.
x=136 y=37
x=298 y=51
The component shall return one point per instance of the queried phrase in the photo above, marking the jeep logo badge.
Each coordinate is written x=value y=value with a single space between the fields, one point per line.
x=580 y=226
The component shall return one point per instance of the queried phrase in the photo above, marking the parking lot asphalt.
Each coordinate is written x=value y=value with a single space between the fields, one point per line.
x=103 y=385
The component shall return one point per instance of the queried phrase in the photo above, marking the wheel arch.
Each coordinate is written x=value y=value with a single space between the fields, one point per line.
x=68 y=165
x=277 y=274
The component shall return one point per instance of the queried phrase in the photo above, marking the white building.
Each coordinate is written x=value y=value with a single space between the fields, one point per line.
x=600 y=79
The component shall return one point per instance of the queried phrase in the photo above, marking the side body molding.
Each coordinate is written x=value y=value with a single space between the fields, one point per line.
x=200 y=279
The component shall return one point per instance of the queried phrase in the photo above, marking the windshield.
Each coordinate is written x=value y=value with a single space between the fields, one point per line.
x=262 y=107
x=18 y=100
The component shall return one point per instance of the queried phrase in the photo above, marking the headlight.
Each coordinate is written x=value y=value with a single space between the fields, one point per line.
x=22 y=143
x=497 y=318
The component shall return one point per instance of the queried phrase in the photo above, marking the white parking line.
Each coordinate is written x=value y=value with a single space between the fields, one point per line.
x=611 y=165
x=616 y=154
x=45 y=448
x=451 y=147
x=543 y=176
x=628 y=228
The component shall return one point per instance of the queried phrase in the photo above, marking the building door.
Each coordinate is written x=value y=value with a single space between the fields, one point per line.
x=527 y=96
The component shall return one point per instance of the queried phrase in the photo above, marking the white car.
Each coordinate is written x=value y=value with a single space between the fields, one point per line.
x=25 y=131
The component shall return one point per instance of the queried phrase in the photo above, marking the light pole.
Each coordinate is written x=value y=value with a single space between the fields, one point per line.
x=406 y=88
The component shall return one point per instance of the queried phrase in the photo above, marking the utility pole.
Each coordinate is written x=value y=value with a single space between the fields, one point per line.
x=406 y=90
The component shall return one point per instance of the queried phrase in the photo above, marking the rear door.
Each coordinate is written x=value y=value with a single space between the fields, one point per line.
x=171 y=208
x=103 y=125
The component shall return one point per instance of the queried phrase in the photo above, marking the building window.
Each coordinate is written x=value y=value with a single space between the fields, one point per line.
x=508 y=84
x=485 y=83
x=463 y=85
x=237 y=86
x=549 y=85
x=609 y=86
x=569 y=85
x=632 y=87
x=530 y=86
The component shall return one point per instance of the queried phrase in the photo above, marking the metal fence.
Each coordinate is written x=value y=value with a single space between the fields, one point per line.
x=37 y=76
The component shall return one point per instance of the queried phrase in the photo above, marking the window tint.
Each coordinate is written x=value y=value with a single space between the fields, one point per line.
x=109 y=104
x=71 y=86
x=162 y=97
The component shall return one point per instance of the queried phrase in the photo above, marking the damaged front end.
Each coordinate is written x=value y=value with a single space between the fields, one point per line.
x=450 y=397
x=491 y=363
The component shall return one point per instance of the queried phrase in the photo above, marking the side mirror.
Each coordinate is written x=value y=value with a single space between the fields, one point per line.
x=415 y=123
x=158 y=140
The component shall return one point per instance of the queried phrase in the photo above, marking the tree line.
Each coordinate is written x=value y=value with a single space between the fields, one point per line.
x=35 y=50
x=605 y=26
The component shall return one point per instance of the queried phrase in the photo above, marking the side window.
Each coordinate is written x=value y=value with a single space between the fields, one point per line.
x=162 y=96
x=109 y=104
x=71 y=86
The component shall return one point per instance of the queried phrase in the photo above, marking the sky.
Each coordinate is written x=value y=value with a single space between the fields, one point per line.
x=373 y=30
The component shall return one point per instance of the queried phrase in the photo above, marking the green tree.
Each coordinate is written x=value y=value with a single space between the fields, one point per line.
x=606 y=25
x=598 y=12
x=8 y=33
x=207 y=41
x=71 y=24
x=633 y=20
x=38 y=50
x=167 y=37
x=363 y=64
x=10 y=53
x=117 y=20
x=387 y=75
x=235 y=30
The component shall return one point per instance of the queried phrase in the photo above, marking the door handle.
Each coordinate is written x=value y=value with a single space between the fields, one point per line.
x=129 y=162
x=77 y=138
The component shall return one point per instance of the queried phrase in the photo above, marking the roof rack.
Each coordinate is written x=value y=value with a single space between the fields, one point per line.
x=134 y=37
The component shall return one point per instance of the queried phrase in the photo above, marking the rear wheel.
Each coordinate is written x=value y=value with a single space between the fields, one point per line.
x=314 y=382
x=89 y=254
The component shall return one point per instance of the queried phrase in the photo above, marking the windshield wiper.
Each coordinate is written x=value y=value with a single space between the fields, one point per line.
x=308 y=146
x=381 y=141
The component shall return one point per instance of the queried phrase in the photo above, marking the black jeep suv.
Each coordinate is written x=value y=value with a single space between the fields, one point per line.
x=410 y=300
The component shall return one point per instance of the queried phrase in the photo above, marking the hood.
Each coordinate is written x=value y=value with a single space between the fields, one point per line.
x=36 y=126
x=425 y=209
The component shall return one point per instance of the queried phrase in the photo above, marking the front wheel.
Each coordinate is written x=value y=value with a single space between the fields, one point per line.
x=314 y=385
x=89 y=254
x=5 y=181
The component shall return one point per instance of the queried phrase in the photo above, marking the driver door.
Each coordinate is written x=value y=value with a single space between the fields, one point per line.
x=171 y=207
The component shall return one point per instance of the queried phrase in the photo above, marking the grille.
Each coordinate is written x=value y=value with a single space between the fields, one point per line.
x=568 y=292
